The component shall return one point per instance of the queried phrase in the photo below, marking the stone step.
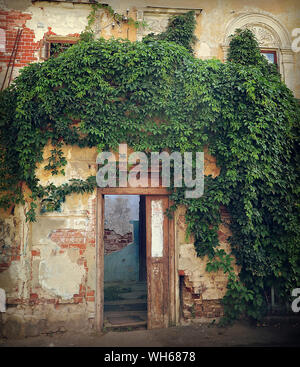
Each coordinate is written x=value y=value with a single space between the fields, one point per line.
x=125 y=320
x=127 y=327
x=134 y=286
x=134 y=295
x=126 y=305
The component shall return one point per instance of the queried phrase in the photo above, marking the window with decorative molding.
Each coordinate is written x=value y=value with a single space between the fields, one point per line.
x=157 y=18
x=271 y=56
x=273 y=38
x=53 y=46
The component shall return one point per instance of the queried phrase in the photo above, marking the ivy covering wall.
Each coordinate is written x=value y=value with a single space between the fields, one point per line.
x=99 y=93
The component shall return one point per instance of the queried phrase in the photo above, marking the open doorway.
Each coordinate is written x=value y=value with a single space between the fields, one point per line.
x=158 y=306
x=125 y=272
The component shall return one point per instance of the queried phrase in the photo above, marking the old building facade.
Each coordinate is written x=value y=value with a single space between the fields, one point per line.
x=53 y=270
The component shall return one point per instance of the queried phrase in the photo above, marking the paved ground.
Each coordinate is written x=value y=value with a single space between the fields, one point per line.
x=241 y=334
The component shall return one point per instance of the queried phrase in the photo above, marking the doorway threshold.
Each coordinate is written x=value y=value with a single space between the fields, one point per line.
x=125 y=320
x=129 y=312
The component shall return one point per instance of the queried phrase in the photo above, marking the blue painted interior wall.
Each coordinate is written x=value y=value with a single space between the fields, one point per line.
x=121 y=214
x=123 y=265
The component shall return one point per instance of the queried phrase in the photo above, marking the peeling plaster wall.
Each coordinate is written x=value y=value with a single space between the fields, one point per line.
x=50 y=276
x=53 y=15
x=14 y=254
x=63 y=17
x=59 y=275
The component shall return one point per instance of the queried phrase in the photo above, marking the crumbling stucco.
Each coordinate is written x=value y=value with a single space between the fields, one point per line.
x=60 y=276
x=119 y=211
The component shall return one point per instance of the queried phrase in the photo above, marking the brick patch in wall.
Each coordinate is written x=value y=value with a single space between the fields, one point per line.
x=28 y=50
x=10 y=21
x=115 y=242
x=194 y=306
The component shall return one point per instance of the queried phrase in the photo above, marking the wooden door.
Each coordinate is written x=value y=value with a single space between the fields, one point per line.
x=157 y=238
x=142 y=241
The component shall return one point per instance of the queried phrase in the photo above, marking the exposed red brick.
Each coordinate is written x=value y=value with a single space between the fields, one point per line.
x=222 y=236
x=116 y=242
x=35 y=253
x=200 y=308
x=10 y=21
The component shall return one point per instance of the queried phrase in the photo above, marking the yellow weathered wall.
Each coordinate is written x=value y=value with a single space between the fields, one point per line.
x=51 y=264
x=53 y=279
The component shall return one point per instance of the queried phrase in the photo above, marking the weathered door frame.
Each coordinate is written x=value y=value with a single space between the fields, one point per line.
x=157 y=266
x=173 y=277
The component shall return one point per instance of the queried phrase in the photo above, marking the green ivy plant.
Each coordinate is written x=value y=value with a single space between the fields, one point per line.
x=58 y=47
x=99 y=93
x=119 y=18
x=244 y=50
x=180 y=30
